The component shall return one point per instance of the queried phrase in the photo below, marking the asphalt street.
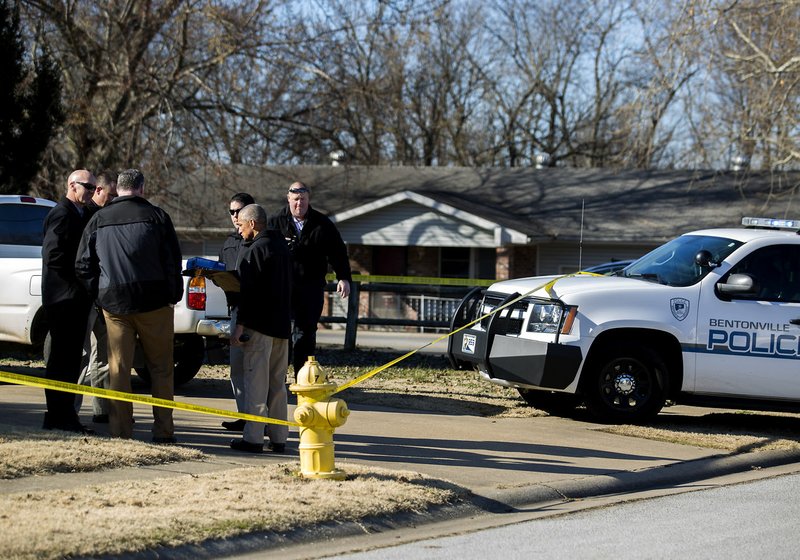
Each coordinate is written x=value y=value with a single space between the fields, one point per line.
x=740 y=521
x=427 y=343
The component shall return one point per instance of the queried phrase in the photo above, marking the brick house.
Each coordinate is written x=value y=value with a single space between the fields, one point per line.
x=485 y=222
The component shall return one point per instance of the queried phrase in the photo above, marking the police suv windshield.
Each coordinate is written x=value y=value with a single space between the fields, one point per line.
x=673 y=264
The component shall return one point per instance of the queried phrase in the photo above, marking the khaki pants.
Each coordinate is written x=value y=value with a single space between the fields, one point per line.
x=95 y=358
x=265 y=365
x=155 y=330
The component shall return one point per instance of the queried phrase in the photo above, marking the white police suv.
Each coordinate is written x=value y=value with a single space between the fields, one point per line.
x=710 y=318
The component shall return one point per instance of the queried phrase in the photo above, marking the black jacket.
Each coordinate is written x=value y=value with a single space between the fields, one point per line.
x=266 y=279
x=129 y=258
x=63 y=227
x=318 y=245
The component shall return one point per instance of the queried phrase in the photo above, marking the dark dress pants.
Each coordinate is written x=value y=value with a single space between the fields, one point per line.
x=306 y=309
x=67 y=321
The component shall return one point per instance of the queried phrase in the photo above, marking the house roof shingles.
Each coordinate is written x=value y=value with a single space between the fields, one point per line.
x=545 y=204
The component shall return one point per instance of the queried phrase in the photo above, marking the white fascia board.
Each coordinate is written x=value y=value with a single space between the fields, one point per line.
x=502 y=235
x=506 y=236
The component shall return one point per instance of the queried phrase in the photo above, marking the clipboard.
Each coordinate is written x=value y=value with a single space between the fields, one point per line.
x=227 y=280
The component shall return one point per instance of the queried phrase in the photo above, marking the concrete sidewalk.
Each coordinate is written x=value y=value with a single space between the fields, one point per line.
x=512 y=460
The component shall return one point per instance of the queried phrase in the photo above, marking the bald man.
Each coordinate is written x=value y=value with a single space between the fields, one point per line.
x=65 y=301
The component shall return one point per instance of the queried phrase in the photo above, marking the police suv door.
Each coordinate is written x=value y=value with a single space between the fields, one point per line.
x=749 y=344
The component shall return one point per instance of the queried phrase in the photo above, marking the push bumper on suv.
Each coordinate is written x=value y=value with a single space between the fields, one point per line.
x=504 y=357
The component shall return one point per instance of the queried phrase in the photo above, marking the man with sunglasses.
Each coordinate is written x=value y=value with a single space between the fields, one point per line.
x=65 y=301
x=229 y=254
x=314 y=243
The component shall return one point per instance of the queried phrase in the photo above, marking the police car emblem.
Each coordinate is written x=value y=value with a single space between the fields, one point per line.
x=468 y=344
x=679 y=307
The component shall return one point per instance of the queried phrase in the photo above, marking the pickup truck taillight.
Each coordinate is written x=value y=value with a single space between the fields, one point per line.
x=196 y=297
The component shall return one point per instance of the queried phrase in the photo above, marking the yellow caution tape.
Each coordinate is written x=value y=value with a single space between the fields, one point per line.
x=547 y=286
x=19 y=379
x=422 y=280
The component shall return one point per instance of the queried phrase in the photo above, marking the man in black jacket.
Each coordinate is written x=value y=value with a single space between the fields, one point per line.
x=229 y=254
x=130 y=261
x=262 y=329
x=314 y=243
x=65 y=300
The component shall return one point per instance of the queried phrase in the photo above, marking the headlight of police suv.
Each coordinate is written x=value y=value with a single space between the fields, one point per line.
x=547 y=318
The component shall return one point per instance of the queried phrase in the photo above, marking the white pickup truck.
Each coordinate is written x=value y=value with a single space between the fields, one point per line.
x=710 y=318
x=203 y=312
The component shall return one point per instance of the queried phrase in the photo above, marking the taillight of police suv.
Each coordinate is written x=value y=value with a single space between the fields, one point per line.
x=196 y=297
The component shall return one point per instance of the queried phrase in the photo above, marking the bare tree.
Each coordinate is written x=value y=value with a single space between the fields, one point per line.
x=656 y=80
x=751 y=111
x=445 y=87
x=175 y=85
x=140 y=79
x=537 y=48
x=31 y=105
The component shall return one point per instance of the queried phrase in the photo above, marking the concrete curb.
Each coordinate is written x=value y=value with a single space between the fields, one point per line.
x=646 y=479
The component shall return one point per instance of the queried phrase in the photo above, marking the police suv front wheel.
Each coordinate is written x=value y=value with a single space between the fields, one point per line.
x=625 y=385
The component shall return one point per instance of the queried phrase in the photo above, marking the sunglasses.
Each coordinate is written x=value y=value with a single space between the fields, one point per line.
x=234 y=212
x=86 y=185
x=299 y=190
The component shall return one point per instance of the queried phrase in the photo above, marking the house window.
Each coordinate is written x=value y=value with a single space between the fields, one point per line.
x=486 y=262
x=455 y=262
x=389 y=261
x=466 y=262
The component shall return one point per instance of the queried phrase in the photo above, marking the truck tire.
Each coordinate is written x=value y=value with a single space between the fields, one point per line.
x=625 y=385
x=555 y=404
x=46 y=346
x=188 y=354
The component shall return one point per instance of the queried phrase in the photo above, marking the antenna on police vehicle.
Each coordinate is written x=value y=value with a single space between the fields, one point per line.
x=580 y=242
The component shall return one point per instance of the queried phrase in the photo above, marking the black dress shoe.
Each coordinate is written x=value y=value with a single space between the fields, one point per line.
x=100 y=418
x=165 y=439
x=246 y=446
x=234 y=425
x=277 y=447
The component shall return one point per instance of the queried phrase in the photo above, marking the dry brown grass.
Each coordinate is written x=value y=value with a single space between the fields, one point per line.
x=422 y=382
x=739 y=432
x=37 y=453
x=134 y=516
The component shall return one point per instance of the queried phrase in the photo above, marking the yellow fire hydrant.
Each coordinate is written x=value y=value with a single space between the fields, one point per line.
x=318 y=415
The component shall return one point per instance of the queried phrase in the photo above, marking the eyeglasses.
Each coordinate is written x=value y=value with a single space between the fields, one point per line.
x=234 y=212
x=299 y=190
x=89 y=186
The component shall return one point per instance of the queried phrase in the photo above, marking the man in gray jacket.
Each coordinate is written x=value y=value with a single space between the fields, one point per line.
x=129 y=260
